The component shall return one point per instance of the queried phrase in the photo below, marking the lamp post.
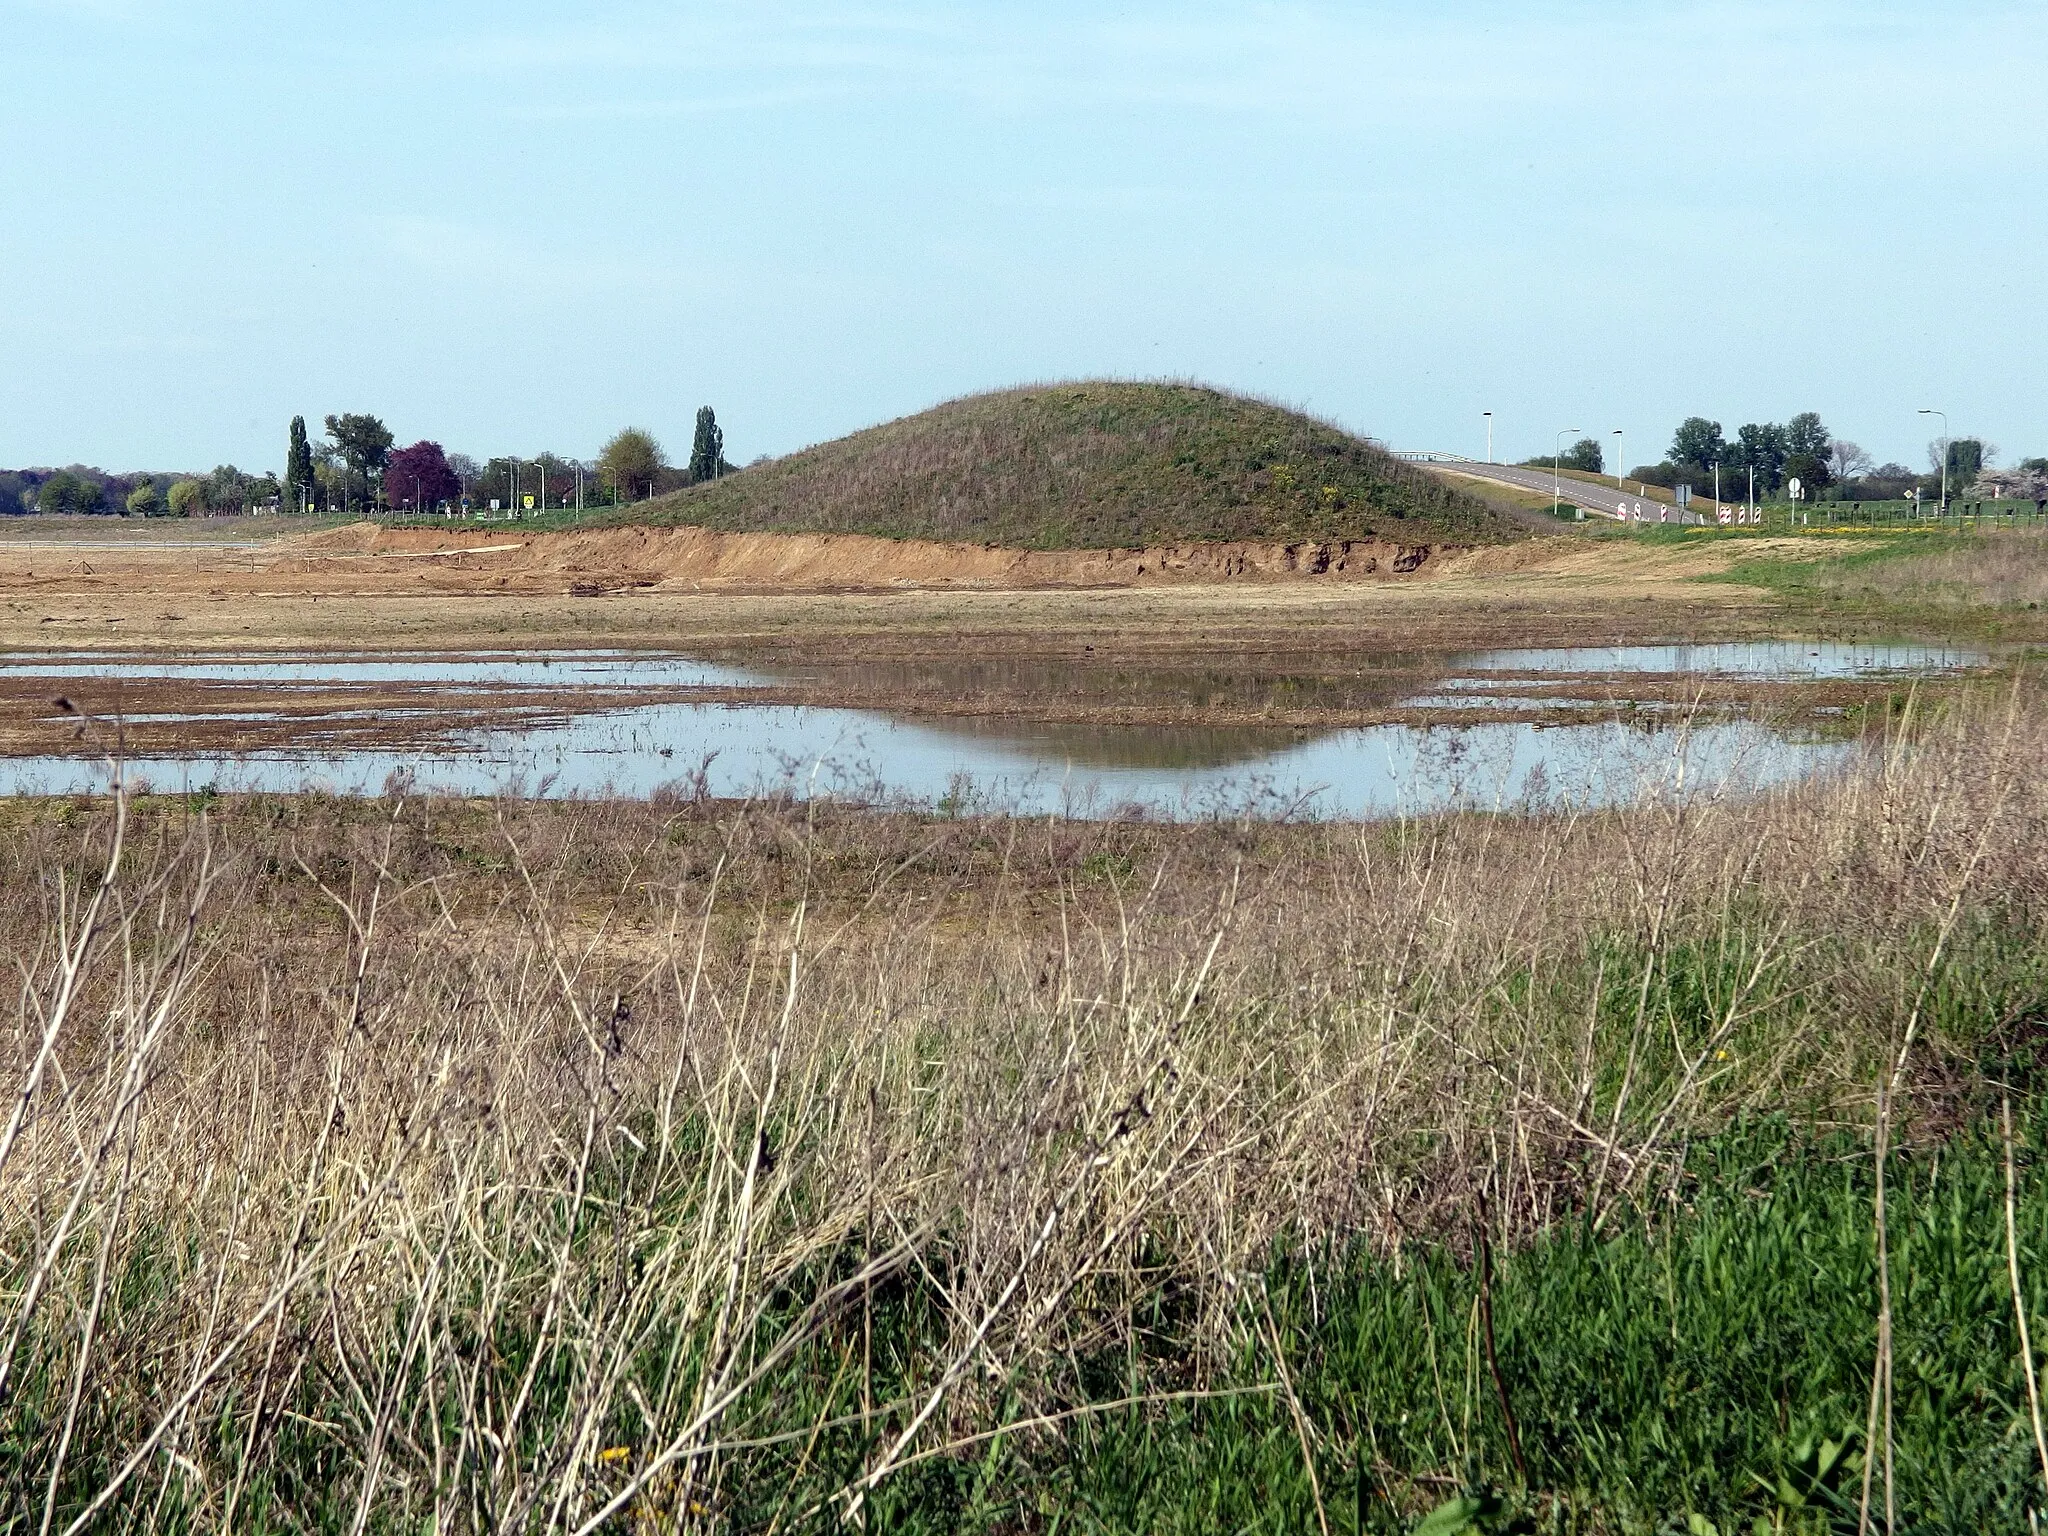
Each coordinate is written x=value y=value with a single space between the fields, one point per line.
x=1717 y=490
x=1618 y=460
x=1555 y=494
x=1489 y=435
x=1944 y=457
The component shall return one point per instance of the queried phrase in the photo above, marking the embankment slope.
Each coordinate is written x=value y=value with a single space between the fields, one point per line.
x=1093 y=466
x=366 y=556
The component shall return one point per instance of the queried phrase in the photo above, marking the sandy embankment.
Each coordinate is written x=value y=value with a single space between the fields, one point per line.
x=699 y=559
x=833 y=597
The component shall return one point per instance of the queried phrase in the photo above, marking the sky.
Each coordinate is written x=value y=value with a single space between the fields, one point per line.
x=514 y=227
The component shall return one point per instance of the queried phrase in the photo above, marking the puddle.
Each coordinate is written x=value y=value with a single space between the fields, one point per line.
x=481 y=670
x=1372 y=771
x=1004 y=764
x=1762 y=660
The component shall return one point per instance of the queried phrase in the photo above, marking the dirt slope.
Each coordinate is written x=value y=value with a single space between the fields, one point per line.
x=609 y=559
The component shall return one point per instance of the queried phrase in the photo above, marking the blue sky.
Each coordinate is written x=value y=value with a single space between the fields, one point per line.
x=512 y=227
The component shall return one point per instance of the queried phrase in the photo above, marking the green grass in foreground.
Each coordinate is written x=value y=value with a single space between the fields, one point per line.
x=423 y=1210
x=1090 y=465
x=1708 y=1371
x=1695 y=1368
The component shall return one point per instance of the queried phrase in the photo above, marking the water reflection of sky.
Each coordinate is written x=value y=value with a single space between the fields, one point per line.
x=1007 y=765
x=487 y=670
x=1764 y=660
x=1373 y=771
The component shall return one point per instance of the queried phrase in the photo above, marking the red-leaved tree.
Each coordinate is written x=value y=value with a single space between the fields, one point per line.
x=419 y=477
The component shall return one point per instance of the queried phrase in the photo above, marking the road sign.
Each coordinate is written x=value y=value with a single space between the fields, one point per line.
x=1795 y=489
x=1683 y=495
x=529 y=502
x=494 y=503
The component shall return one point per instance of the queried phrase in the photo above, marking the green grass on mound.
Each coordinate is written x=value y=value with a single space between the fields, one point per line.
x=1091 y=466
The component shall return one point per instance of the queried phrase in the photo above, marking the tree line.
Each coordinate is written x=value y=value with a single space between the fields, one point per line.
x=81 y=489
x=1828 y=468
x=358 y=467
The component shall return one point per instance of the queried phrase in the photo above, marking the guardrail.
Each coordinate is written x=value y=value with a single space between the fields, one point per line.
x=1430 y=456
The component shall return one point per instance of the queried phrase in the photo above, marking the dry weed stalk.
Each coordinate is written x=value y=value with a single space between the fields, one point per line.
x=502 y=1173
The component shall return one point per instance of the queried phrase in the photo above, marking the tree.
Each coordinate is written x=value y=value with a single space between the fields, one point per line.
x=1805 y=435
x=145 y=500
x=631 y=462
x=1964 y=458
x=298 y=467
x=1584 y=455
x=1760 y=446
x=707 y=451
x=227 y=489
x=1809 y=470
x=329 y=477
x=420 y=477
x=67 y=491
x=1697 y=443
x=554 y=477
x=1845 y=459
x=364 y=444
x=2022 y=482
x=186 y=497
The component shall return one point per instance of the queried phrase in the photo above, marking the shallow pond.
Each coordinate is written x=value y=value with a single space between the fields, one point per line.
x=737 y=749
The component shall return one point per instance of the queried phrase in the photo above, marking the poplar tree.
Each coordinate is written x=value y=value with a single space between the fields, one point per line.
x=298 y=467
x=707 y=453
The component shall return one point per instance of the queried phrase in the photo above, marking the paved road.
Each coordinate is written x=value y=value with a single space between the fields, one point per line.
x=1602 y=499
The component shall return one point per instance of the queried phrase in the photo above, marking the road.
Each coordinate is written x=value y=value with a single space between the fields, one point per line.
x=1603 y=499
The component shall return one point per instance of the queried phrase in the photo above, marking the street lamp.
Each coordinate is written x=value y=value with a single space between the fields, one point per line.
x=1944 y=457
x=1618 y=460
x=1489 y=435
x=1555 y=462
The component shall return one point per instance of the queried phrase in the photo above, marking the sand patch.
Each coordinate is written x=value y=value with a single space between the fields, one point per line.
x=698 y=558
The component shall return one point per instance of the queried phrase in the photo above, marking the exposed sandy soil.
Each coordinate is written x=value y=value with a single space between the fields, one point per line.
x=43 y=713
x=365 y=587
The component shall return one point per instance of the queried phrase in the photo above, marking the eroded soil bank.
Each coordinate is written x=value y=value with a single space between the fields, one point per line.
x=835 y=598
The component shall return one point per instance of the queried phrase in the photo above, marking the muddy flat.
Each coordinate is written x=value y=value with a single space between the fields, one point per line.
x=366 y=588
x=1295 y=637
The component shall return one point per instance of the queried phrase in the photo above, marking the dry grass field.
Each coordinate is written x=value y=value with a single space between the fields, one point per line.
x=398 y=1164
x=684 y=1166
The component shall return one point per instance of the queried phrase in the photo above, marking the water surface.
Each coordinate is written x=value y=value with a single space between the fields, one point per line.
x=1002 y=764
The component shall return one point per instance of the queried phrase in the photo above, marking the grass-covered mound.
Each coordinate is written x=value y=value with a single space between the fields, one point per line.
x=1091 y=466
